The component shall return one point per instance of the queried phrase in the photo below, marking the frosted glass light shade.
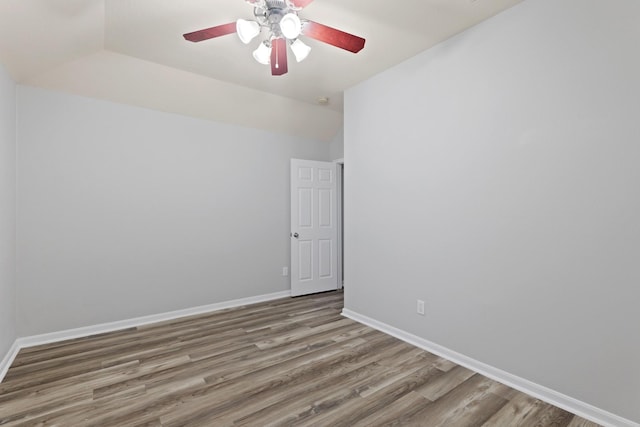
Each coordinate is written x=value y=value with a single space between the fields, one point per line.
x=290 y=25
x=300 y=50
x=263 y=53
x=247 y=30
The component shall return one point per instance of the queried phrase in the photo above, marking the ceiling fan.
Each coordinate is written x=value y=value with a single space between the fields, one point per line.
x=283 y=26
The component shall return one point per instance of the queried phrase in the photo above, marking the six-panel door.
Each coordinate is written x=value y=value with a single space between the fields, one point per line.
x=314 y=230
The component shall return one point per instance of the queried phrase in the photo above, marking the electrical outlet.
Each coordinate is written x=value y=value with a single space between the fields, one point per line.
x=420 y=308
x=285 y=271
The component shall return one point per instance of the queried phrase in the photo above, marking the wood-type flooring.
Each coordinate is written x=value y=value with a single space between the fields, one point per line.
x=290 y=362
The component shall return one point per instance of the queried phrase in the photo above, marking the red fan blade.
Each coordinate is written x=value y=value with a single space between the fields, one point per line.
x=333 y=37
x=279 y=64
x=301 y=3
x=210 y=33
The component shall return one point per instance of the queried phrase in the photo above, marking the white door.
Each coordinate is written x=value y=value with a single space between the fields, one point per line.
x=314 y=230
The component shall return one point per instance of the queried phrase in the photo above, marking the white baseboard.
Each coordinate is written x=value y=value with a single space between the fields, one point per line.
x=53 y=337
x=8 y=359
x=545 y=394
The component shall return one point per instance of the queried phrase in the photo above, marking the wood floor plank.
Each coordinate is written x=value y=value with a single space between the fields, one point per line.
x=547 y=415
x=365 y=407
x=336 y=388
x=289 y=362
x=581 y=422
x=445 y=383
x=248 y=398
x=515 y=412
x=397 y=412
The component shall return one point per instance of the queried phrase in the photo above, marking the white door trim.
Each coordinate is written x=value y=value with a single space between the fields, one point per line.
x=340 y=244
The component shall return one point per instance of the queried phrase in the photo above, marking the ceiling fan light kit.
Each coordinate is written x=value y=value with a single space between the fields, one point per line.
x=300 y=50
x=284 y=27
x=263 y=53
x=290 y=26
x=247 y=30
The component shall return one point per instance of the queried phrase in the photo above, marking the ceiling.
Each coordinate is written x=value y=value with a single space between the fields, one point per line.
x=132 y=51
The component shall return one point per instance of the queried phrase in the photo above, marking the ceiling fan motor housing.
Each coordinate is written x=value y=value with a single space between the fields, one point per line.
x=277 y=4
x=269 y=14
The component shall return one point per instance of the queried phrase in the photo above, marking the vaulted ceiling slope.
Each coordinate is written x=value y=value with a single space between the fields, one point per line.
x=132 y=51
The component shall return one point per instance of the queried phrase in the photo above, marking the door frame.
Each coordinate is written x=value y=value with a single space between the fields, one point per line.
x=340 y=241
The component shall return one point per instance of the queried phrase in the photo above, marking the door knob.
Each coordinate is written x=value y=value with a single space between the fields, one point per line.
x=296 y=235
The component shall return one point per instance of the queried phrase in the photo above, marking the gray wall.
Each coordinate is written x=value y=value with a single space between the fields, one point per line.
x=496 y=177
x=336 y=147
x=7 y=211
x=125 y=212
